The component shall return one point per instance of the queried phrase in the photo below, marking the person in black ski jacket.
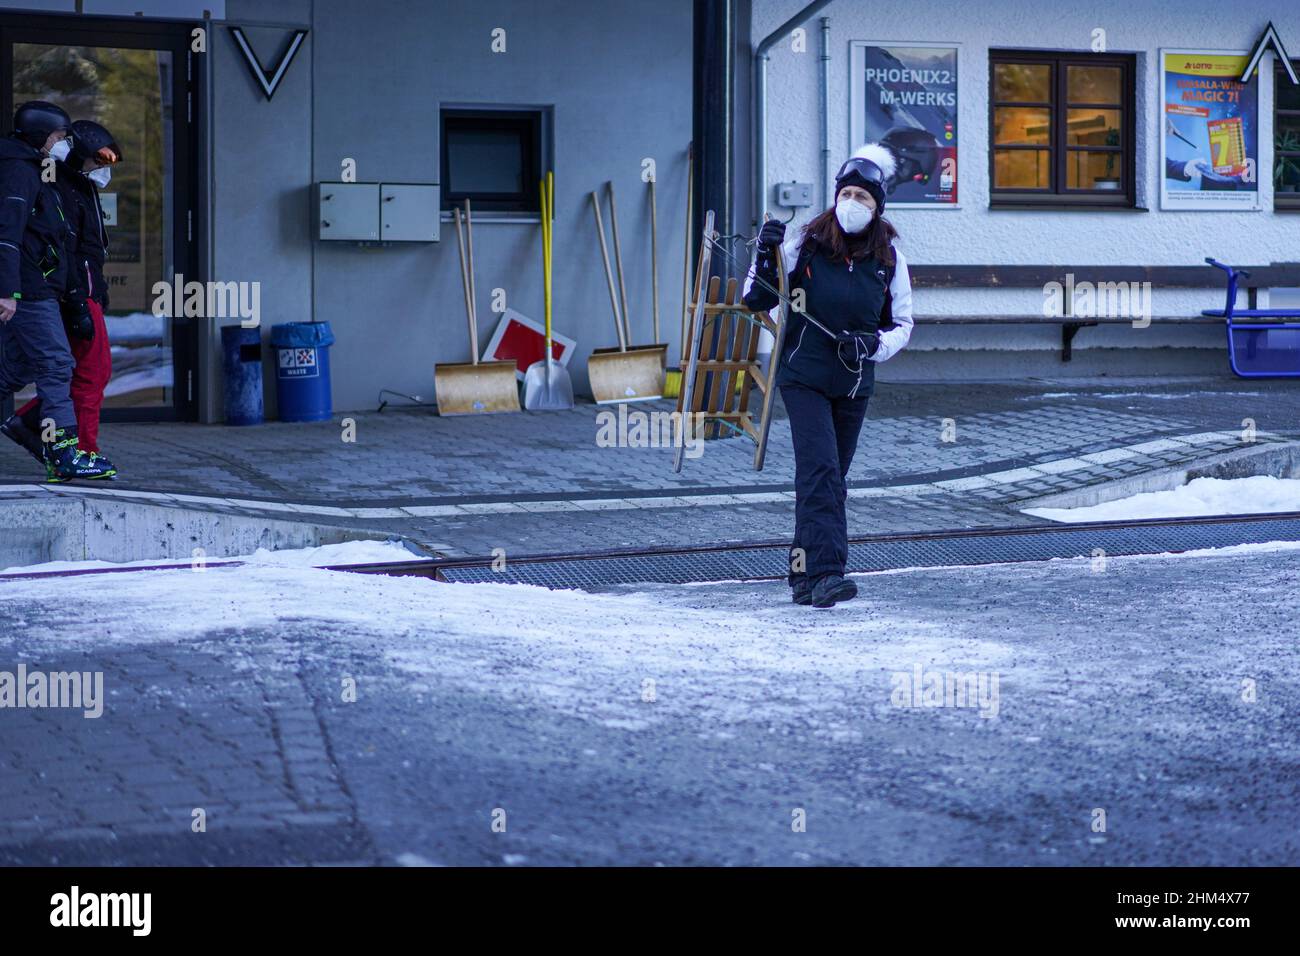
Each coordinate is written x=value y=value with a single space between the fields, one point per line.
x=851 y=308
x=37 y=273
x=87 y=170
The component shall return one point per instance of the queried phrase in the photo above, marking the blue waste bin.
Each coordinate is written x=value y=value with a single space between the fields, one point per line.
x=302 y=370
x=242 y=351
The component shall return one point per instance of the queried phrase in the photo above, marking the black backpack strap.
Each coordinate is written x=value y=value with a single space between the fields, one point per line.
x=887 y=310
x=807 y=250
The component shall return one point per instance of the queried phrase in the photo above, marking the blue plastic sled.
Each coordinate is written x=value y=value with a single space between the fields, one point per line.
x=1258 y=349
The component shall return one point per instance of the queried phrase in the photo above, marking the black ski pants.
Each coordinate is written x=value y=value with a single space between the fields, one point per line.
x=825 y=435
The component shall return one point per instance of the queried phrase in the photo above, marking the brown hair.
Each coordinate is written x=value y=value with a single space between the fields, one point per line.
x=824 y=230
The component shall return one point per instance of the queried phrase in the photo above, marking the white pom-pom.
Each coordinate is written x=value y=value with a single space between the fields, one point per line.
x=878 y=154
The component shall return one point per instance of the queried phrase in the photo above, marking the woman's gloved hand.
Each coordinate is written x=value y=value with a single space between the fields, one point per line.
x=761 y=296
x=772 y=234
x=860 y=343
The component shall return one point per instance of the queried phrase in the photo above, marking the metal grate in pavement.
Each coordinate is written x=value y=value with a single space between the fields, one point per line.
x=873 y=553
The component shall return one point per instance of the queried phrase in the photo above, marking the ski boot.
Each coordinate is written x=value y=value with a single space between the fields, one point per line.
x=65 y=461
x=99 y=461
x=18 y=430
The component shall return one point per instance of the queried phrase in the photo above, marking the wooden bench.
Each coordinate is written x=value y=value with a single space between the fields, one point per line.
x=1278 y=274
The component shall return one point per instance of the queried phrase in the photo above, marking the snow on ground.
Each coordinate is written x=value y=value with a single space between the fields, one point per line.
x=718 y=656
x=1158 y=395
x=570 y=652
x=136 y=326
x=1259 y=494
x=328 y=555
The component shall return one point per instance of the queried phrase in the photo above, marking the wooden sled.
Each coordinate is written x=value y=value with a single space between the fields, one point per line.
x=720 y=352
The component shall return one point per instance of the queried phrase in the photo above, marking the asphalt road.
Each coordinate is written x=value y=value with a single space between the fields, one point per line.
x=685 y=725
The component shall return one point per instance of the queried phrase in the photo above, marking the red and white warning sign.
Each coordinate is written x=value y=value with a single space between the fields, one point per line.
x=520 y=340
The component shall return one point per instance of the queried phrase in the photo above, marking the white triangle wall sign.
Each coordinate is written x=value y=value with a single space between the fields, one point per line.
x=268 y=81
x=1266 y=39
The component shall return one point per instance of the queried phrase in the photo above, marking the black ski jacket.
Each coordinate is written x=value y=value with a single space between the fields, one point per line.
x=86 y=214
x=36 y=237
x=861 y=296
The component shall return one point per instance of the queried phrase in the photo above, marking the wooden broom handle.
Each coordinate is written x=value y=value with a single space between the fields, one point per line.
x=473 y=294
x=618 y=261
x=609 y=273
x=686 y=247
x=464 y=282
x=654 y=261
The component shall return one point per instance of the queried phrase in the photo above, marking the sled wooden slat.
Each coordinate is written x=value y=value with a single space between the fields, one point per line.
x=748 y=384
x=722 y=350
x=740 y=330
x=749 y=366
x=719 y=397
x=686 y=398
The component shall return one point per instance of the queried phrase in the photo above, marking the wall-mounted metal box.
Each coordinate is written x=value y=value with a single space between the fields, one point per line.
x=347 y=211
x=794 y=195
x=409 y=212
x=377 y=212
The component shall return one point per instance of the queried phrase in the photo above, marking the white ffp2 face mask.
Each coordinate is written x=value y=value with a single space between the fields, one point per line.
x=100 y=176
x=59 y=151
x=853 y=216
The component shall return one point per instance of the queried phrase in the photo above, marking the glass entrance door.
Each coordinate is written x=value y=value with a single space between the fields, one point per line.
x=136 y=85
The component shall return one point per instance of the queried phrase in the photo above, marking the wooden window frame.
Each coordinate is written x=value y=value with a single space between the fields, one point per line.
x=1283 y=201
x=1057 y=194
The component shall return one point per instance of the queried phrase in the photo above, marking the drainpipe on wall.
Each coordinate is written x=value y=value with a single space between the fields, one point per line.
x=714 y=111
x=760 y=102
x=826 y=109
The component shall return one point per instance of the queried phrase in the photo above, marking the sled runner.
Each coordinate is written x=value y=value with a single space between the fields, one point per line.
x=1261 y=346
x=720 y=362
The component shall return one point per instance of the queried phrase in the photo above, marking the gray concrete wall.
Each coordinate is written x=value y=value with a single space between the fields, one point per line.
x=89 y=528
x=368 y=86
x=974 y=233
x=259 y=155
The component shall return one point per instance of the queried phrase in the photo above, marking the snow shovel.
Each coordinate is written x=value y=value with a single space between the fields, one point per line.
x=673 y=379
x=547 y=386
x=475 y=388
x=623 y=374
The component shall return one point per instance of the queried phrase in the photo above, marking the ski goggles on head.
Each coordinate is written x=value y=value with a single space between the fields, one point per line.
x=107 y=156
x=861 y=167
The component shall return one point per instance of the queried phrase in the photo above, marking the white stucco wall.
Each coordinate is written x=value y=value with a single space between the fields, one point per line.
x=975 y=234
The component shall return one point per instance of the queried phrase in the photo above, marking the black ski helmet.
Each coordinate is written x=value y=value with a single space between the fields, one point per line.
x=917 y=151
x=35 y=120
x=870 y=167
x=92 y=141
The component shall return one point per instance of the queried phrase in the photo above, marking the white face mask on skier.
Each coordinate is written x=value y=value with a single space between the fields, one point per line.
x=100 y=176
x=59 y=151
x=853 y=216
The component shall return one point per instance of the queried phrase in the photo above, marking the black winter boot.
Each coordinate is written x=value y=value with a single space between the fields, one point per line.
x=16 y=429
x=832 y=588
x=801 y=590
x=65 y=461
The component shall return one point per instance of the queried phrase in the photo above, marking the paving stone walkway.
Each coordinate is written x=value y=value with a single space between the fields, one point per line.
x=946 y=456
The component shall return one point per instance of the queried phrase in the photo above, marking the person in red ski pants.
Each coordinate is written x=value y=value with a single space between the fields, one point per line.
x=94 y=368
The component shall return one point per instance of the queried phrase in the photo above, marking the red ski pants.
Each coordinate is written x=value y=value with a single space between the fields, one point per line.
x=89 y=379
